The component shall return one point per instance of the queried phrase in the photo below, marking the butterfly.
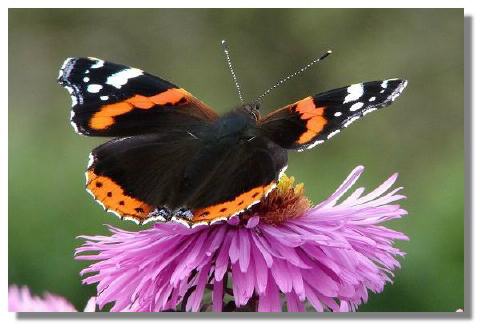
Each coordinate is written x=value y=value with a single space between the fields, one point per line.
x=172 y=157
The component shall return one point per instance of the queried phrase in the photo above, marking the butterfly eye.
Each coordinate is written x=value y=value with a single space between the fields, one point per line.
x=254 y=113
x=252 y=110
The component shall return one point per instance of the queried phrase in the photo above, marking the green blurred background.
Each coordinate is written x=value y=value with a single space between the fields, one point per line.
x=420 y=136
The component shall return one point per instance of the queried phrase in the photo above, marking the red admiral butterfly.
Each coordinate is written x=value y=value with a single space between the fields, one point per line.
x=173 y=158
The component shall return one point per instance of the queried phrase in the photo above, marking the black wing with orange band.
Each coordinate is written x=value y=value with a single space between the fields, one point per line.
x=313 y=120
x=174 y=175
x=115 y=100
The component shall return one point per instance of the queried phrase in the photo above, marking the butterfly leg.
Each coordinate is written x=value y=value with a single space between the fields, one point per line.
x=184 y=214
x=163 y=213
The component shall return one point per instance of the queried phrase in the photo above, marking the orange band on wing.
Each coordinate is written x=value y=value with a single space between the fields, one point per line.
x=112 y=196
x=315 y=122
x=232 y=207
x=171 y=96
x=105 y=117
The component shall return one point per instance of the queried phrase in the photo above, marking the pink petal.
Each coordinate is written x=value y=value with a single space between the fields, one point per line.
x=217 y=296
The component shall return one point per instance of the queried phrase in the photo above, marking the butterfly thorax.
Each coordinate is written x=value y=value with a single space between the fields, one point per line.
x=236 y=126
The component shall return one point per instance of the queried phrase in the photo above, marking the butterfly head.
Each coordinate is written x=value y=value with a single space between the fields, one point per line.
x=252 y=110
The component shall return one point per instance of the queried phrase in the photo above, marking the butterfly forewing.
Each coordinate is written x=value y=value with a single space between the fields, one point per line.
x=115 y=100
x=315 y=119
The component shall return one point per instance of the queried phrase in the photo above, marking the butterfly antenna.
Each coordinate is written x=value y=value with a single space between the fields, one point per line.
x=285 y=79
x=230 y=66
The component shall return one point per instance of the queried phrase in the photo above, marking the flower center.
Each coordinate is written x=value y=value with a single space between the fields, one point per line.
x=286 y=202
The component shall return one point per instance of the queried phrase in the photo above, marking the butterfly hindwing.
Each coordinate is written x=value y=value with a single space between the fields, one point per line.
x=182 y=176
x=239 y=176
x=133 y=176
x=115 y=100
x=315 y=119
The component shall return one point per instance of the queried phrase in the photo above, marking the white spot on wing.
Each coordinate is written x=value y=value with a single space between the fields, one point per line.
x=351 y=120
x=317 y=142
x=218 y=220
x=201 y=223
x=74 y=126
x=116 y=213
x=90 y=160
x=64 y=65
x=154 y=218
x=282 y=171
x=104 y=98
x=86 y=79
x=94 y=88
x=332 y=134
x=121 y=78
x=72 y=95
x=98 y=201
x=98 y=62
x=356 y=106
x=398 y=91
x=90 y=192
x=355 y=91
x=337 y=114
x=384 y=84
x=372 y=99
x=369 y=110
x=129 y=218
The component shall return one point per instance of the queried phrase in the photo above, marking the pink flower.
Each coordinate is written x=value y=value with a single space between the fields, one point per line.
x=282 y=252
x=21 y=300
